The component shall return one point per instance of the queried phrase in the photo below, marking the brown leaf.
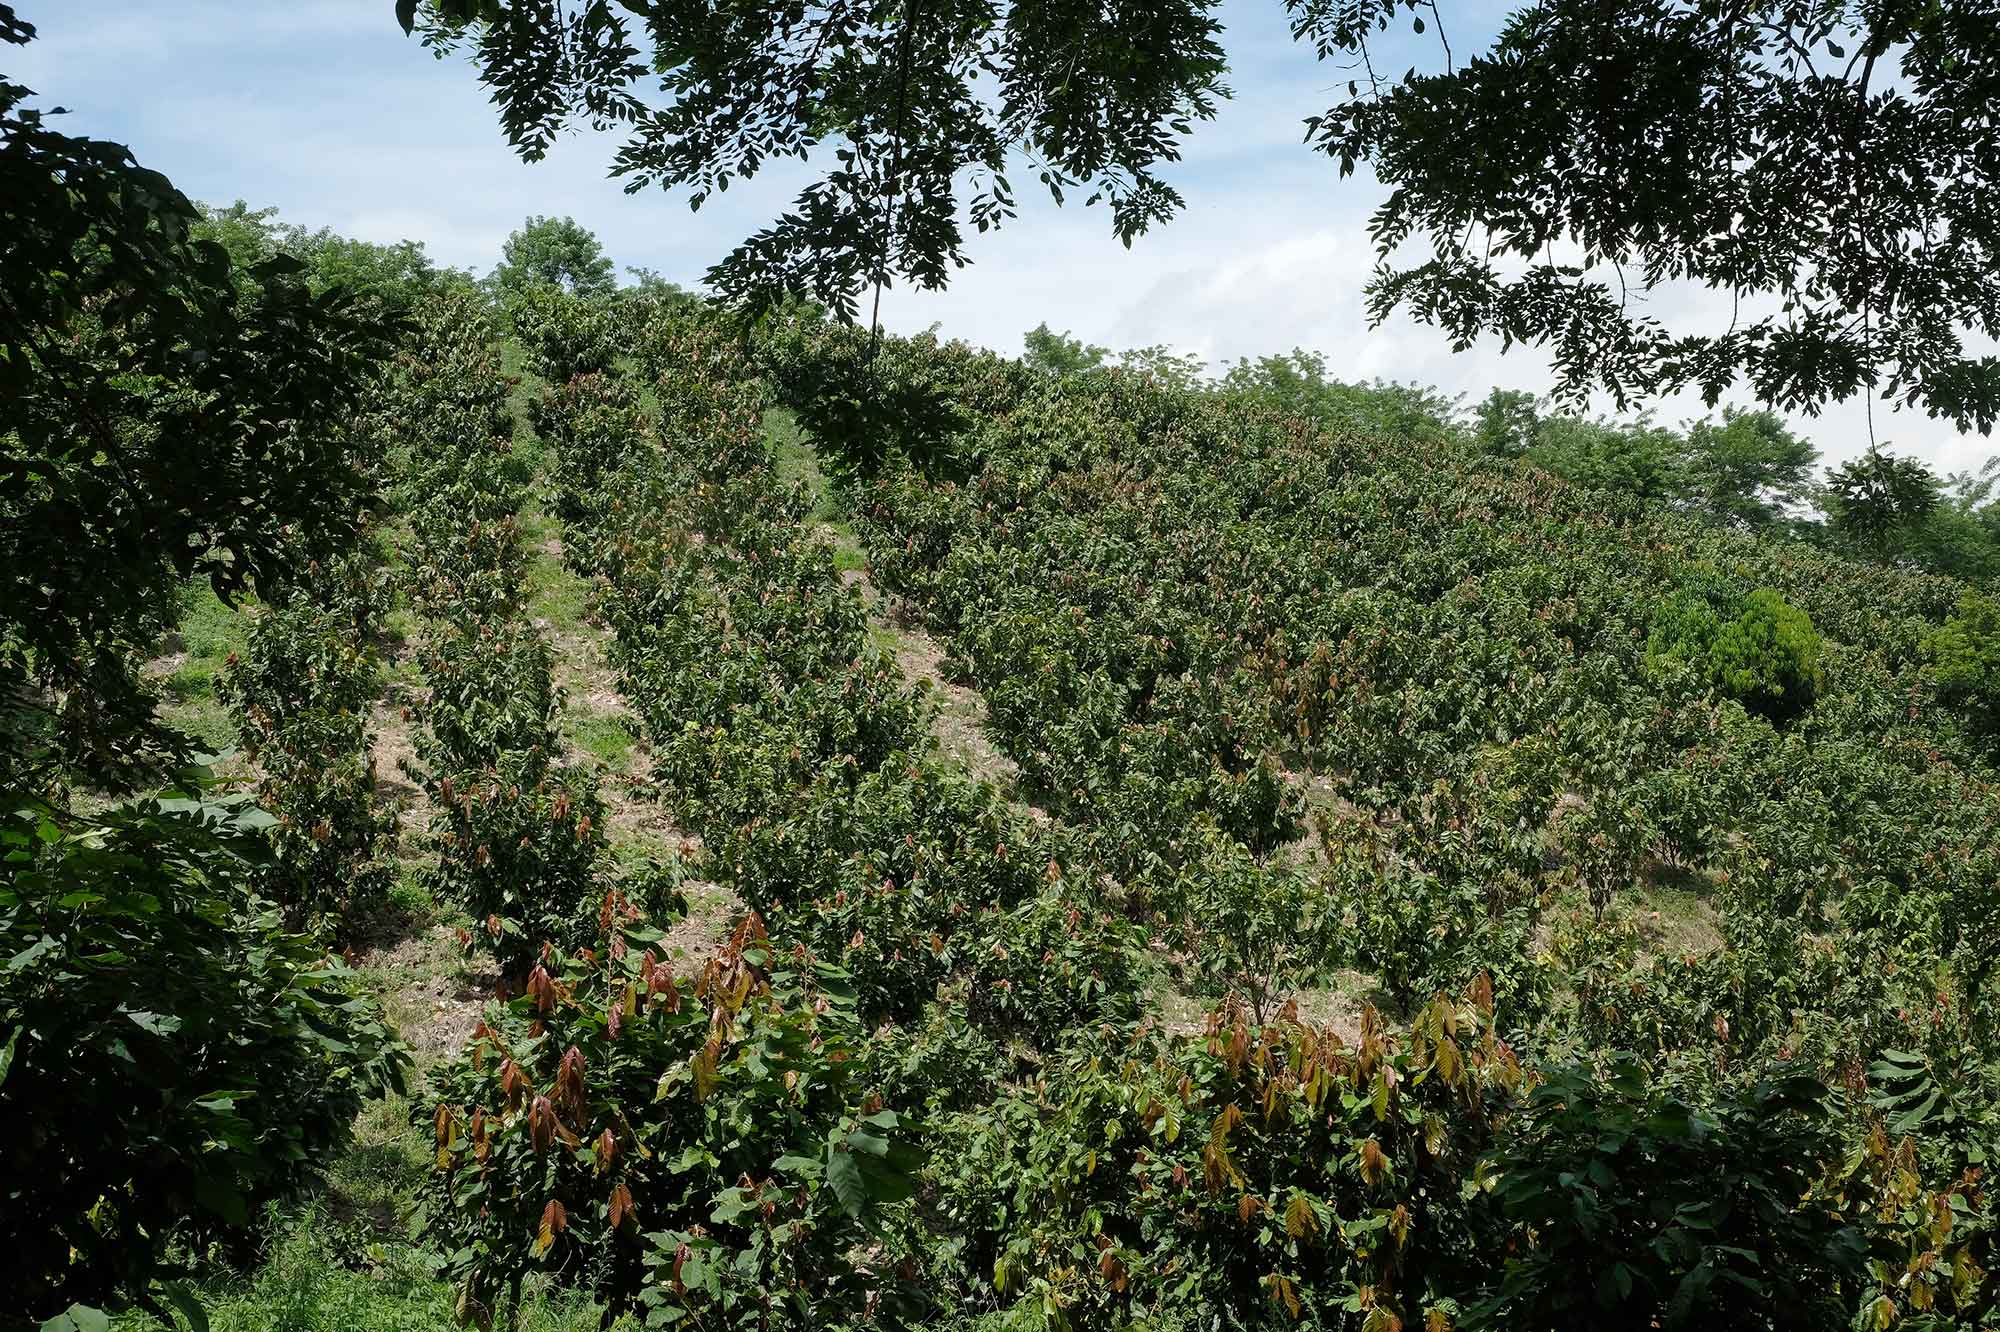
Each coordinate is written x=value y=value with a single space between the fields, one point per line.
x=554 y=1221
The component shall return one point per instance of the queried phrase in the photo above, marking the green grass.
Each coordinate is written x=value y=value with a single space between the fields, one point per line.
x=1675 y=915
x=602 y=736
x=883 y=639
x=208 y=632
x=555 y=593
x=326 y=1271
x=795 y=462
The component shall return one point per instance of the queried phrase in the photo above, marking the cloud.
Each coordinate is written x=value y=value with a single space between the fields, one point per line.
x=325 y=109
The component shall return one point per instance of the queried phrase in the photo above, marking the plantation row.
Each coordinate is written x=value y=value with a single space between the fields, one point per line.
x=516 y=835
x=919 y=1082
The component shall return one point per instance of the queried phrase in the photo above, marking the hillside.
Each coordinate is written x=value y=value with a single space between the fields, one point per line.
x=932 y=843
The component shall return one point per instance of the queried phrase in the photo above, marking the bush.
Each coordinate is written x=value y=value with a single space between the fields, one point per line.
x=868 y=401
x=1268 y=1176
x=702 y=1147
x=1633 y=1208
x=565 y=335
x=1965 y=656
x=520 y=845
x=1767 y=656
x=300 y=695
x=591 y=424
x=174 y=1059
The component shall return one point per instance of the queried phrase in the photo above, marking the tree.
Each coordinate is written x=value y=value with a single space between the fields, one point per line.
x=556 y=252
x=1595 y=150
x=1059 y=353
x=168 y=416
x=1965 y=654
x=174 y=1059
x=921 y=104
x=1297 y=383
x=1637 y=458
x=1505 y=424
x=1746 y=471
x=384 y=281
x=1875 y=497
x=1601 y=148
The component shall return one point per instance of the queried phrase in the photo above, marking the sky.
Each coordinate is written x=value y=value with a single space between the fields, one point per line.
x=325 y=110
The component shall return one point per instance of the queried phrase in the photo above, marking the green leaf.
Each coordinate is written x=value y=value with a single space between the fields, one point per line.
x=79 y=1318
x=843 y=1172
x=223 y=1198
x=182 y=1297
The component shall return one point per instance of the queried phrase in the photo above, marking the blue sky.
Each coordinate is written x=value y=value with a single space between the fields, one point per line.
x=325 y=110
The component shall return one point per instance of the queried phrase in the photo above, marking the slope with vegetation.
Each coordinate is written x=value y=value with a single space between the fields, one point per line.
x=1513 y=877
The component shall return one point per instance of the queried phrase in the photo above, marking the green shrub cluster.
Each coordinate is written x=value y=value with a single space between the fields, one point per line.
x=1767 y=654
x=1965 y=653
x=517 y=834
x=566 y=334
x=173 y=1057
x=699 y=1147
x=1185 y=609
x=300 y=694
x=1082 y=1168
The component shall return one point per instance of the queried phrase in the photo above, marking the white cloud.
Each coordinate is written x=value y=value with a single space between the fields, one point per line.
x=325 y=109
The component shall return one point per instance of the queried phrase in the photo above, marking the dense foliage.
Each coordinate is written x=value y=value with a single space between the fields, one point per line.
x=301 y=694
x=517 y=832
x=1618 y=148
x=552 y=252
x=1568 y=1120
x=699 y=1145
x=1388 y=875
x=163 y=422
x=173 y=1057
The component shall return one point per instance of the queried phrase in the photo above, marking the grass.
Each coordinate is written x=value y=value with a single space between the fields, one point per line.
x=795 y=463
x=602 y=736
x=1676 y=916
x=326 y=1272
x=555 y=594
x=208 y=632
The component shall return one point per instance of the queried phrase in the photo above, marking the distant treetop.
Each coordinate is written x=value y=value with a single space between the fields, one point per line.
x=557 y=252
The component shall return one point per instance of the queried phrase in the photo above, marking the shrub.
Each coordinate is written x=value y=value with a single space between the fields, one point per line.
x=591 y=424
x=1266 y=1176
x=868 y=400
x=300 y=694
x=702 y=1147
x=520 y=846
x=1767 y=655
x=491 y=690
x=1258 y=930
x=1965 y=656
x=1633 y=1208
x=173 y=1060
x=565 y=335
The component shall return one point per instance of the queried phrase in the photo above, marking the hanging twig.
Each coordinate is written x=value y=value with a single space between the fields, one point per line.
x=895 y=183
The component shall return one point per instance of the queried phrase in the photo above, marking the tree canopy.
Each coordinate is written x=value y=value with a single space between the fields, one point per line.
x=555 y=252
x=170 y=415
x=1826 y=167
